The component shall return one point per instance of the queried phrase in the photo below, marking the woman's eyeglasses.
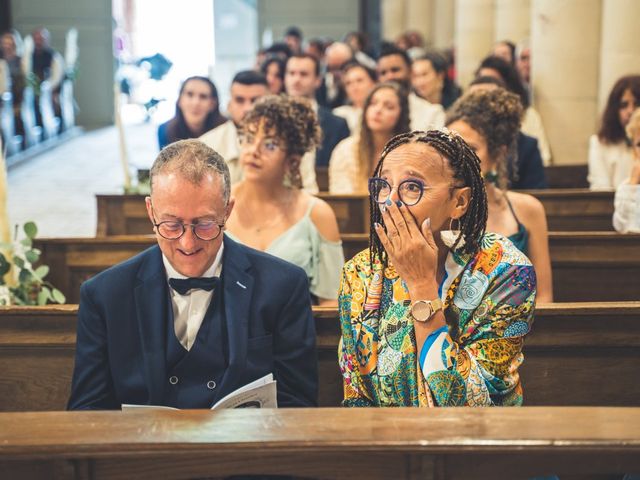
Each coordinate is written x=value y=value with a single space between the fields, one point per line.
x=409 y=191
x=266 y=145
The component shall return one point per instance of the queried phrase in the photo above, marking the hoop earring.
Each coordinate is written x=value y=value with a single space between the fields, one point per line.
x=453 y=236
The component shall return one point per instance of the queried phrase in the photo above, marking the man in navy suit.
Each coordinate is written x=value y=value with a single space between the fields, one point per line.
x=188 y=321
x=302 y=79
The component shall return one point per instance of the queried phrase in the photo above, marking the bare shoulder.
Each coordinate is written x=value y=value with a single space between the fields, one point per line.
x=527 y=207
x=324 y=219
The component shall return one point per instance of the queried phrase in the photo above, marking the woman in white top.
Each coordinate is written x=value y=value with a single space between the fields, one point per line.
x=358 y=81
x=385 y=114
x=626 y=218
x=272 y=213
x=610 y=156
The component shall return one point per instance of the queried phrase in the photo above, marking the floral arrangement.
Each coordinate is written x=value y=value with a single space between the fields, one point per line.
x=20 y=282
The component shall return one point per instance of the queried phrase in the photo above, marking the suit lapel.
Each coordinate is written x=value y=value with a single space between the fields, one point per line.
x=151 y=309
x=238 y=291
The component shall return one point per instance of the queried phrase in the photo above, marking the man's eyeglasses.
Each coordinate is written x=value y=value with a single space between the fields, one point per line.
x=206 y=230
x=409 y=191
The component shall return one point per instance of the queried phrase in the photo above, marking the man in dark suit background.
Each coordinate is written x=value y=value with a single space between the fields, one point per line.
x=188 y=321
x=302 y=79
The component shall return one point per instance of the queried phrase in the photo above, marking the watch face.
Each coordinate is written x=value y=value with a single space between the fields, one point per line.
x=421 y=311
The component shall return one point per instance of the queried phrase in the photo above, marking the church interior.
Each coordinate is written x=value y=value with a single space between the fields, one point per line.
x=373 y=203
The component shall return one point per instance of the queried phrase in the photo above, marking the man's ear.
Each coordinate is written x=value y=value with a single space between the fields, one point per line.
x=462 y=198
x=230 y=205
x=147 y=202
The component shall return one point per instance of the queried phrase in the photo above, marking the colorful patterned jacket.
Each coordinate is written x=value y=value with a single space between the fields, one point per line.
x=489 y=302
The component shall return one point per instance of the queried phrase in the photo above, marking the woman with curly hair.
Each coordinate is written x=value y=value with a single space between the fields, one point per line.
x=385 y=113
x=435 y=311
x=610 y=154
x=272 y=213
x=489 y=121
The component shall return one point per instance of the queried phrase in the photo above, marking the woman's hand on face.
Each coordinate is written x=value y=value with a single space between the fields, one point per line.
x=412 y=250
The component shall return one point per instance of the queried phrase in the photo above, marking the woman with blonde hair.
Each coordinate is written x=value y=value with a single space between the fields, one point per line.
x=385 y=114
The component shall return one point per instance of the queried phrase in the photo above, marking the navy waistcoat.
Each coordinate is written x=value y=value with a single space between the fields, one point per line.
x=194 y=376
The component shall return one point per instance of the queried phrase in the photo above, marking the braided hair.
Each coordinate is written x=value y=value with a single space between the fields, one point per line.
x=465 y=165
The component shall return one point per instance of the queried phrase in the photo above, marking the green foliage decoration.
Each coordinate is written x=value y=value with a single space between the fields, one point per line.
x=28 y=286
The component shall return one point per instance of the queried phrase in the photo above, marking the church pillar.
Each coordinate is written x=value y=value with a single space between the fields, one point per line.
x=474 y=36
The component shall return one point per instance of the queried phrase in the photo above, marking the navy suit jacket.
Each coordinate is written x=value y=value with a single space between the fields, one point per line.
x=120 y=352
x=530 y=167
x=334 y=130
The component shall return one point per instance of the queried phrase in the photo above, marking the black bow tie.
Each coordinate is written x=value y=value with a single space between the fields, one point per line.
x=183 y=285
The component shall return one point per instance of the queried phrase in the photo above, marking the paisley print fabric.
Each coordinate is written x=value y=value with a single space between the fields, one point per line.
x=489 y=302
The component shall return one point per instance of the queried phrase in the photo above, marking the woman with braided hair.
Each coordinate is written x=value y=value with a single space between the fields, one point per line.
x=435 y=311
x=272 y=213
x=489 y=121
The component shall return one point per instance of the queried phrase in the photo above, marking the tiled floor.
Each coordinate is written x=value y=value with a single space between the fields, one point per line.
x=57 y=188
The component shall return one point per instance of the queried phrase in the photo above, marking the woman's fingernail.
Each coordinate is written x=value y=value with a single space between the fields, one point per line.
x=388 y=202
x=399 y=203
x=428 y=222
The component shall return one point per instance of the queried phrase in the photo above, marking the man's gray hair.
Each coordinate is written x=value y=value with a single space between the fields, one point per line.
x=192 y=159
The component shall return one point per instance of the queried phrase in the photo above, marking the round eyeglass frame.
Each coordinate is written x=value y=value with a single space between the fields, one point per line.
x=374 y=180
x=184 y=226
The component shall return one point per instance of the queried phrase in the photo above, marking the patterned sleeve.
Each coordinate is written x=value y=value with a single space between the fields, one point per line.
x=354 y=395
x=476 y=363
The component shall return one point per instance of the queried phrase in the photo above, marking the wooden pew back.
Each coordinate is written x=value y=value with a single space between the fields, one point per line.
x=567 y=210
x=438 y=444
x=577 y=354
x=587 y=266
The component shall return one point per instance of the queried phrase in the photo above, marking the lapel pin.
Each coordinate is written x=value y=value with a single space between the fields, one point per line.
x=240 y=285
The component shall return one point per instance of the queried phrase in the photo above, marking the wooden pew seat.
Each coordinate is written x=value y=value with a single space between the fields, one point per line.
x=577 y=354
x=453 y=444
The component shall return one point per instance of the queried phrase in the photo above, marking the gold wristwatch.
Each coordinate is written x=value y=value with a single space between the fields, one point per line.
x=423 y=310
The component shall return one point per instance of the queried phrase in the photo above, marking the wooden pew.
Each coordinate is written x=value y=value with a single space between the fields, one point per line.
x=587 y=266
x=438 y=444
x=567 y=176
x=322 y=178
x=577 y=210
x=577 y=354
x=127 y=214
x=567 y=210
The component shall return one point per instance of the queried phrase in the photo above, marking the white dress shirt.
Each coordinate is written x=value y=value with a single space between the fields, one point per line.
x=189 y=310
x=424 y=115
x=609 y=165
